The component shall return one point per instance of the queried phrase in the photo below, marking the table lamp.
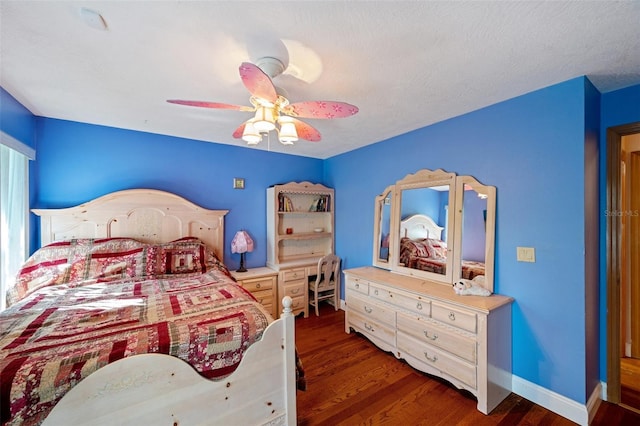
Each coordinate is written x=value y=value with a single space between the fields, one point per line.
x=241 y=243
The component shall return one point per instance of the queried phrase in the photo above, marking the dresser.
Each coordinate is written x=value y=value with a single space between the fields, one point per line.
x=262 y=283
x=463 y=339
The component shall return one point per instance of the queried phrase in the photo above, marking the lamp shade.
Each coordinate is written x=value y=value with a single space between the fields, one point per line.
x=242 y=243
x=264 y=120
x=250 y=134
x=288 y=134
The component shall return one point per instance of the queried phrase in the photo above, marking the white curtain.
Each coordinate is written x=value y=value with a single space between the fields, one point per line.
x=14 y=207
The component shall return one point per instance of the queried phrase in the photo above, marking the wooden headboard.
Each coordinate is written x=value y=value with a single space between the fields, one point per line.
x=420 y=226
x=147 y=215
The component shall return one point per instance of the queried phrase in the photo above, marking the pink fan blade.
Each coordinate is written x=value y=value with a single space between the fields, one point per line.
x=216 y=105
x=321 y=109
x=306 y=131
x=238 y=133
x=257 y=82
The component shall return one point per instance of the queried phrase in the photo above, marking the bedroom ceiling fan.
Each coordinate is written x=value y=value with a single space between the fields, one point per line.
x=273 y=111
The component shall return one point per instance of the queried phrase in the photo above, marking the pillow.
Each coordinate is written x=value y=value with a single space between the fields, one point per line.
x=437 y=248
x=415 y=248
x=55 y=264
x=184 y=256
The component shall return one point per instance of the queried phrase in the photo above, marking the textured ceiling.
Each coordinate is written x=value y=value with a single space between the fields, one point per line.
x=404 y=64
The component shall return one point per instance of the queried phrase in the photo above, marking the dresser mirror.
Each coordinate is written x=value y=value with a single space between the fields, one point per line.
x=382 y=234
x=475 y=233
x=439 y=226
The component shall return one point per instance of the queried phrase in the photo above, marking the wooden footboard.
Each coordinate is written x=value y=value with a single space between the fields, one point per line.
x=159 y=389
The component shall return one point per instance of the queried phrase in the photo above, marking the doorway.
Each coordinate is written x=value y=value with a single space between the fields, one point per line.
x=623 y=265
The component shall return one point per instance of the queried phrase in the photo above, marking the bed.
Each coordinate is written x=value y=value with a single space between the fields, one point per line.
x=126 y=315
x=422 y=248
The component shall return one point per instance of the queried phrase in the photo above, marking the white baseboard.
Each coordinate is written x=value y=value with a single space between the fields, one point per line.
x=568 y=408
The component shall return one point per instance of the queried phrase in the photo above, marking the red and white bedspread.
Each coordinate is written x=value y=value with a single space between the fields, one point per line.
x=60 y=333
x=427 y=254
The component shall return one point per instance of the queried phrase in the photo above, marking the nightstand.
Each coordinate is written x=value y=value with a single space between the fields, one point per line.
x=262 y=283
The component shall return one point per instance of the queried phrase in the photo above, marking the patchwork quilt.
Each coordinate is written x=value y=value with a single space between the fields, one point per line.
x=105 y=300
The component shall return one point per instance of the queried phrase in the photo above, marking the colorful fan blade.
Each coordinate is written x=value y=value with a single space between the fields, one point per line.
x=321 y=109
x=257 y=82
x=306 y=131
x=238 y=132
x=216 y=105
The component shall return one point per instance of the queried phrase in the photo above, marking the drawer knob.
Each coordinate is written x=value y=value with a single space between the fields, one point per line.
x=357 y=285
x=368 y=309
x=376 y=291
x=426 y=334
x=258 y=285
x=368 y=327
x=419 y=306
x=295 y=291
x=452 y=316
x=430 y=358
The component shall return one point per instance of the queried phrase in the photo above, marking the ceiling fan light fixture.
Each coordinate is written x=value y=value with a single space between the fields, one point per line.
x=287 y=134
x=264 y=120
x=250 y=134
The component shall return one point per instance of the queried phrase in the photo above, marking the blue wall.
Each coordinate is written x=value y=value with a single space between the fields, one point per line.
x=16 y=120
x=532 y=149
x=78 y=162
x=19 y=123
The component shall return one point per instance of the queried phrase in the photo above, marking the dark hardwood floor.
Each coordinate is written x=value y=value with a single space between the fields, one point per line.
x=351 y=382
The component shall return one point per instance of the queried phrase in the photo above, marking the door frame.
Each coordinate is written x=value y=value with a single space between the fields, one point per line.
x=614 y=147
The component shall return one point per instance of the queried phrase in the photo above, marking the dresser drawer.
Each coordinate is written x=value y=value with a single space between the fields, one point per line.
x=428 y=331
x=379 y=293
x=297 y=305
x=265 y=297
x=293 y=275
x=293 y=289
x=370 y=309
x=433 y=357
x=453 y=316
x=417 y=304
x=357 y=285
x=259 y=284
x=372 y=327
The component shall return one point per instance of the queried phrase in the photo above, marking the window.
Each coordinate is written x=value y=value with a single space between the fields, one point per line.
x=14 y=209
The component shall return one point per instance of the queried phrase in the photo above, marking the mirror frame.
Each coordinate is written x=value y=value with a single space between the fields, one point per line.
x=423 y=179
x=388 y=194
x=490 y=227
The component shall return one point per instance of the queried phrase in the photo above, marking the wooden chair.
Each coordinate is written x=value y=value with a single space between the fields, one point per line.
x=326 y=285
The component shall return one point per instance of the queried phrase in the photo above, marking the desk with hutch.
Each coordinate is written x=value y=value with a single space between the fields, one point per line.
x=300 y=223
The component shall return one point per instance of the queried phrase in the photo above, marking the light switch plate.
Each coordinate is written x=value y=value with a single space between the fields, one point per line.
x=526 y=254
x=238 y=183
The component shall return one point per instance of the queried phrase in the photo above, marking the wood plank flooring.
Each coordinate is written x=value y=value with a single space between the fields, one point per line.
x=351 y=382
x=630 y=382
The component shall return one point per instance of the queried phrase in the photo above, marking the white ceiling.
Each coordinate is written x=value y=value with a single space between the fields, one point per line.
x=405 y=64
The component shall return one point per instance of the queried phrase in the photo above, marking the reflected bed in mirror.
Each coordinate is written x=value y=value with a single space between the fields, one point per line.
x=422 y=248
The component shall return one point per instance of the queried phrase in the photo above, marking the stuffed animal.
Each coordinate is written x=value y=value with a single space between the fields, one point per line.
x=473 y=287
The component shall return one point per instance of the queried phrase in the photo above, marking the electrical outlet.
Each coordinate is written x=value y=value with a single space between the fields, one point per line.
x=526 y=254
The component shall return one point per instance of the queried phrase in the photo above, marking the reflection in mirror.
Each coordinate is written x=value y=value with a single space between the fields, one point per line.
x=382 y=229
x=425 y=229
x=476 y=221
